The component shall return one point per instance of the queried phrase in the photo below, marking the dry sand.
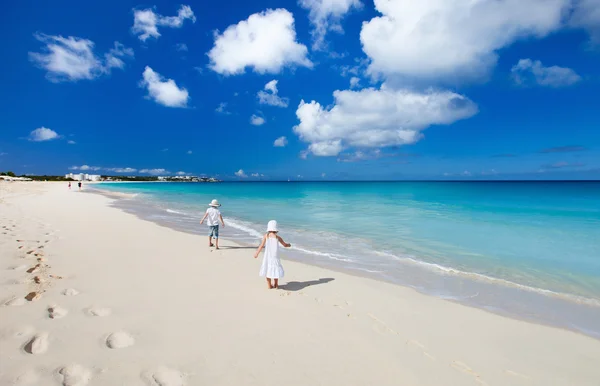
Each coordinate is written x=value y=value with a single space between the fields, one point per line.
x=115 y=300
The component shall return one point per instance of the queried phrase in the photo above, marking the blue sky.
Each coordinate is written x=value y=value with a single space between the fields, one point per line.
x=391 y=89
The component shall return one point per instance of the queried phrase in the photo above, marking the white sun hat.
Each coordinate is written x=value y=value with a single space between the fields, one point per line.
x=272 y=226
x=214 y=203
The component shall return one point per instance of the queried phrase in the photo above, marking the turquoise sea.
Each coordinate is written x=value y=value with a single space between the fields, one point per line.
x=524 y=249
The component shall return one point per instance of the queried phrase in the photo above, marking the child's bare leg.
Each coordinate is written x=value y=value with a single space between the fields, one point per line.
x=276 y=285
x=269 y=283
x=210 y=244
x=217 y=242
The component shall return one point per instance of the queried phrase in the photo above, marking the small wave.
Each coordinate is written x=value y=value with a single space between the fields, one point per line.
x=242 y=226
x=332 y=256
x=490 y=279
x=174 y=211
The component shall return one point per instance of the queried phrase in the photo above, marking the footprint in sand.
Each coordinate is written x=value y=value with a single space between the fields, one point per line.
x=74 y=375
x=463 y=367
x=38 y=344
x=15 y=302
x=70 y=292
x=99 y=311
x=56 y=312
x=119 y=339
x=164 y=376
x=29 y=377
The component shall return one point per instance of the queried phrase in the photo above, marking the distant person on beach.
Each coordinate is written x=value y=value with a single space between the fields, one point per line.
x=212 y=217
x=271 y=267
x=69 y=185
x=79 y=184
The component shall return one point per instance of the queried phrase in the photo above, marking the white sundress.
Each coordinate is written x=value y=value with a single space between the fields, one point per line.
x=271 y=265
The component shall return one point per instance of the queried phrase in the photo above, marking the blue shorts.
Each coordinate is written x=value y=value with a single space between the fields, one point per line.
x=213 y=231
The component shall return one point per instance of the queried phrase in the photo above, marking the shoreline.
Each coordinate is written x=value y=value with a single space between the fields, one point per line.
x=587 y=309
x=189 y=316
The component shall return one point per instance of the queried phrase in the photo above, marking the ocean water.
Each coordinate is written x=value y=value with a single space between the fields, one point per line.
x=524 y=249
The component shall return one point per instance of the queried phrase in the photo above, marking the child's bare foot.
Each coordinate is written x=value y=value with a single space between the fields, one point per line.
x=211 y=245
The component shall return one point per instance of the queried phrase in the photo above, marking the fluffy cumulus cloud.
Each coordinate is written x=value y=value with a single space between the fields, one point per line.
x=256 y=120
x=280 y=142
x=146 y=21
x=265 y=42
x=240 y=173
x=269 y=96
x=325 y=15
x=446 y=39
x=73 y=58
x=155 y=172
x=354 y=82
x=376 y=118
x=163 y=91
x=528 y=71
x=43 y=134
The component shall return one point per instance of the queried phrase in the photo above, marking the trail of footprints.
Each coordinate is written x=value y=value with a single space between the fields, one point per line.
x=41 y=280
x=382 y=328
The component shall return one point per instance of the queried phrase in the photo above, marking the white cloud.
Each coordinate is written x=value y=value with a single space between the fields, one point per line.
x=164 y=92
x=146 y=21
x=529 y=71
x=354 y=82
x=165 y=149
x=71 y=142
x=452 y=38
x=269 y=96
x=84 y=168
x=155 y=171
x=222 y=108
x=189 y=152
x=265 y=42
x=182 y=173
x=240 y=173
x=73 y=58
x=255 y=175
x=181 y=47
x=586 y=15
x=323 y=175
x=43 y=134
x=375 y=118
x=256 y=120
x=280 y=142
x=326 y=15
x=122 y=170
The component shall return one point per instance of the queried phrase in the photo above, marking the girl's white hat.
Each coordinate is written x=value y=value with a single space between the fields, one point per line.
x=272 y=226
x=214 y=203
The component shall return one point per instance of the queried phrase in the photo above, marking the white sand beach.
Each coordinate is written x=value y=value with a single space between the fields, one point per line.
x=91 y=295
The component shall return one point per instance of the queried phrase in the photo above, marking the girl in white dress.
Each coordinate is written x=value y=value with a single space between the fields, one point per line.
x=271 y=267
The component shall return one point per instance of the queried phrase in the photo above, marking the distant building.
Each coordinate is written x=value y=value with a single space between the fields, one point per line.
x=83 y=177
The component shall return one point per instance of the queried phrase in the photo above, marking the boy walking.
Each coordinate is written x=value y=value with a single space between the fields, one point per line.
x=212 y=217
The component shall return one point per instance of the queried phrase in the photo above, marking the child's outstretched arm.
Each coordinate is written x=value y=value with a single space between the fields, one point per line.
x=222 y=222
x=260 y=247
x=283 y=242
x=204 y=218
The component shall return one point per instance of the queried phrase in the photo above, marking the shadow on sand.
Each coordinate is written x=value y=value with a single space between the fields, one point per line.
x=222 y=247
x=300 y=285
